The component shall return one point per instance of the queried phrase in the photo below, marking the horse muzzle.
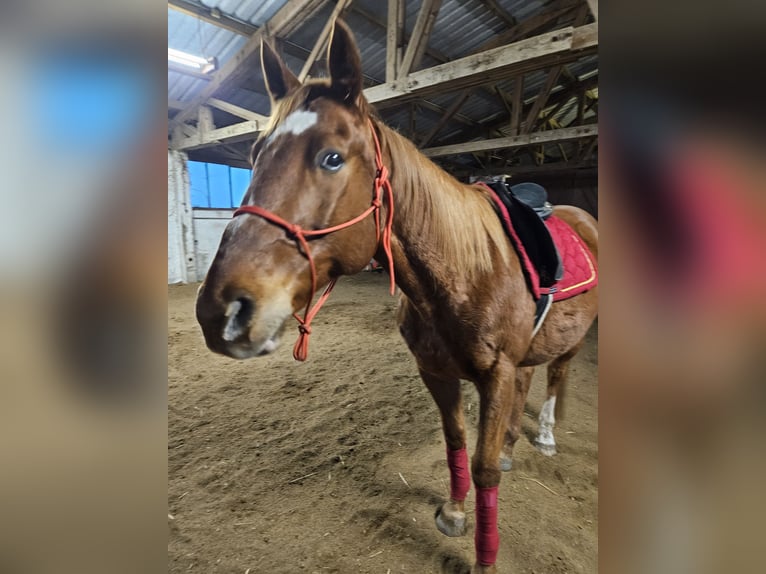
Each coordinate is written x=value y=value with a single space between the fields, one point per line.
x=242 y=328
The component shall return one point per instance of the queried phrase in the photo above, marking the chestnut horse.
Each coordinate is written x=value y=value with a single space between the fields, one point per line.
x=333 y=187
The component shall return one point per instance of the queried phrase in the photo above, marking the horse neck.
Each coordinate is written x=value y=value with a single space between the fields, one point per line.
x=445 y=233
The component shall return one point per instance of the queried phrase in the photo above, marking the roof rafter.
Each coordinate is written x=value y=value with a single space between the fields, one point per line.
x=421 y=33
x=394 y=37
x=593 y=5
x=537 y=138
x=487 y=127
x=557 y=47
x=560 y=46
x=446 y=116
x=237 y=110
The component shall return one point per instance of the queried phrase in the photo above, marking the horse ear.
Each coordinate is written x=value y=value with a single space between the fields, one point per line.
x=279 y=79
x=345 y=64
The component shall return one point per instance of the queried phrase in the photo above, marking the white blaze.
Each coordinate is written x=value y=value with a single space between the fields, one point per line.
x=296 y=123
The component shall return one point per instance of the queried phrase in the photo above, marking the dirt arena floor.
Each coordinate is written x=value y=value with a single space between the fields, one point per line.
x=337 y=465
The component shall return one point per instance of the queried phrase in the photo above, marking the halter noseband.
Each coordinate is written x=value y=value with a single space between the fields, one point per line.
x=300 y=351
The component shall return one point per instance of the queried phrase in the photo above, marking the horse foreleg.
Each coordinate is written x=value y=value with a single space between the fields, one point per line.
x=512 y=434
x=450 y=517
x=496 y=402
x=558 y=370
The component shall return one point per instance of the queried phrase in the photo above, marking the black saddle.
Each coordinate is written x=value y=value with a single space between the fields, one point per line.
x=534 y=196
x=528 y=206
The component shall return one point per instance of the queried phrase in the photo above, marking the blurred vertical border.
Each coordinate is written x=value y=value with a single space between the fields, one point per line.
x=82 y=387
x=682 y=321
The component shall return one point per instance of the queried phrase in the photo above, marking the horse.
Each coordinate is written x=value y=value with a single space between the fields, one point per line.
x=333 y=187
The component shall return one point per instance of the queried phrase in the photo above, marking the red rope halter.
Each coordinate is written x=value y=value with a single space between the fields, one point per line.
x=300 y=351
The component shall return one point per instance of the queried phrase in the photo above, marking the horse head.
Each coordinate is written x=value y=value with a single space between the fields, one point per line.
x=314 y=168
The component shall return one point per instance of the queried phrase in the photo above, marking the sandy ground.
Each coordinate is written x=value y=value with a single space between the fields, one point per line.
x=277 y=466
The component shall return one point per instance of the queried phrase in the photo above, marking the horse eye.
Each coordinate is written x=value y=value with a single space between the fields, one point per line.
x=331 y=161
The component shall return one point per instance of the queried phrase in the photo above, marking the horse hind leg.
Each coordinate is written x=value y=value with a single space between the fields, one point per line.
x=512 y=434
x=558 y=369
x=450 y=516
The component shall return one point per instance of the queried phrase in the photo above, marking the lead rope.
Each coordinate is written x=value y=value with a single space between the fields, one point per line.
x=301 y=349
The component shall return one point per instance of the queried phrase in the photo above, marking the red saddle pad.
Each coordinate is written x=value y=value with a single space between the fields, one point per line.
x=580 y=269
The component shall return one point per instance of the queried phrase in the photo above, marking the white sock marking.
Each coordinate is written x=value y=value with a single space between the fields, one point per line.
x=547 y=420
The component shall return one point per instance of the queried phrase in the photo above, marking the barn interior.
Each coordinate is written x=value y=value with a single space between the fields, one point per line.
x=485 y=88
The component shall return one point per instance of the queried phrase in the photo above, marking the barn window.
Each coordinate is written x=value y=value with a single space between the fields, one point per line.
x=217 y=186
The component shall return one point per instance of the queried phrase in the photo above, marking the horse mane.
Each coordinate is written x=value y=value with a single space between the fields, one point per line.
x=457 y=217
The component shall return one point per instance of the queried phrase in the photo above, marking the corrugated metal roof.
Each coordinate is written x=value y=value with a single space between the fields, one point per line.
x=455 y=18
x=461 y=27
x=196 y=37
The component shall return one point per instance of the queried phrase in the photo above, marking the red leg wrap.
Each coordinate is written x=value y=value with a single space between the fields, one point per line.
x=459 y=473
x=486 y=538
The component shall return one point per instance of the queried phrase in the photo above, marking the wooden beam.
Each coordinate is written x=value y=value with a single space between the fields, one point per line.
x=205 y=119
x=213 y=16
x=587 y=37
x=176 y=104
x=286 y=20
x=537 y=138
x=496 y=64
x=526 y=55
x=214 y=155
x=372 y=19
x=435 y=54
x=179 y=133
x=421 y=33
x=500 y=12
x=563 y=103
x=503 y=98
x=187 y=71
x=589 y=150
x=553 y=78
x=503 y=121
x=394 y=34
x=237 y=110
x=451 y=111
x=517 y=104
x=323 y=36
x=580 y=105
x=429 y=105
x=559 y=168
x=430 y=52
x=542 y=98
x=230 y=134
x=593 y=5
x=235 y=152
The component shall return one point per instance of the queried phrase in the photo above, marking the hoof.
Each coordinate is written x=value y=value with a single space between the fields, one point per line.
x=546 y=449
x=481 y=569
x=450 y=522
x=505 y=463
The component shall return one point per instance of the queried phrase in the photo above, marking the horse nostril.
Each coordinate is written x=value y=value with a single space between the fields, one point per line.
x=238 y=315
